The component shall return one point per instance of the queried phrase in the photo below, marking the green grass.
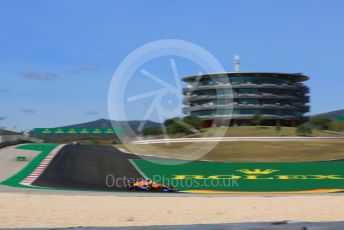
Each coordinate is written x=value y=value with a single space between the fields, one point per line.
x=251 y=131
x=251 y=151
x=270 y=131
x=254 y=131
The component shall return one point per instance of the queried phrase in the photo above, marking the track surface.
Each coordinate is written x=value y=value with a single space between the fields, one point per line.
x=87 y=167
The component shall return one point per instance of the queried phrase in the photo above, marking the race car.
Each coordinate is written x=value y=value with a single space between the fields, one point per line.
x=148 y=185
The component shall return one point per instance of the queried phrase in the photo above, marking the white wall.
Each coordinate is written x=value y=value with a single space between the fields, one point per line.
x=5 y=139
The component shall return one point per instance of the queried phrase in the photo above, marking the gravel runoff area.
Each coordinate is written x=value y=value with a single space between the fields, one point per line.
x=48 y=210
x=8 y=164
x=284 y=225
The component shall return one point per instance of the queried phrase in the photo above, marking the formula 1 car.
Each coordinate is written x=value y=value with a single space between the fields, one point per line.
x=148 y=185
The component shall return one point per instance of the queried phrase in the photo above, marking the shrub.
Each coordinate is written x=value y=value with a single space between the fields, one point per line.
x=304 y=130
x=256 y=119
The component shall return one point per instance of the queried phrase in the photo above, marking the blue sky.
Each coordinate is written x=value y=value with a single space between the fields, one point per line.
x=57 y=57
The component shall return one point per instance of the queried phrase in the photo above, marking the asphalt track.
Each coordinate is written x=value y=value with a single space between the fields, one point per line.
x=88 y=167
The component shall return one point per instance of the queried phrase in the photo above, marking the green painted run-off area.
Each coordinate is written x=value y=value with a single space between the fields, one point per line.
x=280 y=177
x=44 y=150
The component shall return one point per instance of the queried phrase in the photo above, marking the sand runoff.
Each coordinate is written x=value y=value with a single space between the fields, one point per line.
x=47 y=210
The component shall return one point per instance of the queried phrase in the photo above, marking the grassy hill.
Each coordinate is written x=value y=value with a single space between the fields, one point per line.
x=260 y=131
x=270 y=131
x=254 y=151
x=249 y=151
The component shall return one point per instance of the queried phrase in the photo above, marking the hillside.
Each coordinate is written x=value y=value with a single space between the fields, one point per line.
x=8 y=132
x=105 y=123
x=332 y=115
x=100 y=138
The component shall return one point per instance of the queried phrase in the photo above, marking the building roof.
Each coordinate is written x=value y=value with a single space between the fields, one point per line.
x=296 y=77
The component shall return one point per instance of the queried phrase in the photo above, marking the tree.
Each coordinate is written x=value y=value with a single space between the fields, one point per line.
x=195 y=122
x=173 y=125
x=278 y=127
x=319 y=122
x=171 y=121
x=256 y=119
x=304 y=130
x=152 y=131
x=187 y=125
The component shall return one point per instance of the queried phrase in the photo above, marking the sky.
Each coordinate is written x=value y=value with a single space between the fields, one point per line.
x=58 y=57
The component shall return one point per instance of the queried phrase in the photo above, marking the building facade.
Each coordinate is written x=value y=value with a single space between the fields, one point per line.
x=278 y=98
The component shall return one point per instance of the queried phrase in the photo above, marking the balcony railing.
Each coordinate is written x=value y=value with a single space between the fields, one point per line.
x=243 y=95
x=303 y=108
x=248 y=116
x=245 y=85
